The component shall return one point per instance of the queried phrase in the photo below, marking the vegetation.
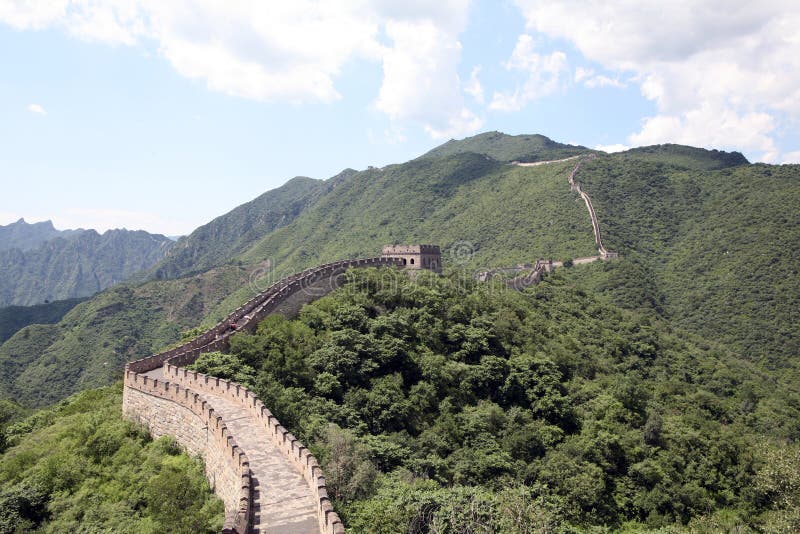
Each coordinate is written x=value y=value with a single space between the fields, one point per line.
x=13 y=318
x=672 y=211
x=659 y=391
x=215 y=243
x=715 y=252
x=459 y=406
x=78 y=467
x=42 y=364
x=76 y=266
x=351 y=215
x=508 y=148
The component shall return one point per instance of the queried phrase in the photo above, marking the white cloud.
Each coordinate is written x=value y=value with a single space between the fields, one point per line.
x=32 y=14
x=592 y=80
x=36 y=108
x=714 y=68
x=791 y=157
x=420 y=81
x=474 y=88
x=543 y=74
x=290 y=51
x=618 y=147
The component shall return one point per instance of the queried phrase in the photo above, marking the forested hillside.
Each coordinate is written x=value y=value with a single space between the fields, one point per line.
x=41 y=364
x=657 y=391
x=76 y=266
x=78 y=467
x=714 y=251
x=462 y=406
x=13 y=318
x=358 y=213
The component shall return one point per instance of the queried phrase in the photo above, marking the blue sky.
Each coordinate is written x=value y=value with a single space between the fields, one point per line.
x=163 y=115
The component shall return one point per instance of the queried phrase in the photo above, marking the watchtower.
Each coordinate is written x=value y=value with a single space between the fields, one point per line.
x=416 y=257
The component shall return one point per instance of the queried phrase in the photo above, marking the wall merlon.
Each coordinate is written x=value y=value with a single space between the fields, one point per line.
x=182 y=394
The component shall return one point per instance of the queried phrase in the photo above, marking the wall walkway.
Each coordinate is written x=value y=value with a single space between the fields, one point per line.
x=266 y=477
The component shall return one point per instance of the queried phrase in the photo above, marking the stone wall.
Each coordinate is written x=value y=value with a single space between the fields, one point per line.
x=300 y=456
x=175 y=405
x=169 y=409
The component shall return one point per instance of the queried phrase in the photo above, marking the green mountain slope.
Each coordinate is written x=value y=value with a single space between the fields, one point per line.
x=507 y=148
x=78 y=467
x=437 y=403
x=25 y=236
x=12 y=318
x=41 y=364
x=653 y=205
x=716 y=248
x=480 y=211
x=77 y=266
x=503 y=212
x=217 y=242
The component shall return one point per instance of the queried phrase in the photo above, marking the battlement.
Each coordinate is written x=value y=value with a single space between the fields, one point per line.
x=415 y=257
x=169 y=399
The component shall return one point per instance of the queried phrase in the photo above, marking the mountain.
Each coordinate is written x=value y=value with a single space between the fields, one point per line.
x=76 y=266
x=25 y=236
x=507 y=148
x=673 y=212
x=716 y=249
x=444 y=404
x=217 y=242
x=13 y=318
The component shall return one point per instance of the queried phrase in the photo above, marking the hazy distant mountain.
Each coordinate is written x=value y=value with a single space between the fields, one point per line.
x=75 y=266
x=26 y=236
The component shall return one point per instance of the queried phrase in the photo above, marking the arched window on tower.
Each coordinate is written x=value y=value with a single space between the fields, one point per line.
x=412 y=261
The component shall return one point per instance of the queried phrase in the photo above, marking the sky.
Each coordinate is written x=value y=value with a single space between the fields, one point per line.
x=162 y=115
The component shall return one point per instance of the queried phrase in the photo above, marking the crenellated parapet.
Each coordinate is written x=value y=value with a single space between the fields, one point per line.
x=170 y=400
x=170 y=409
x=301 y=458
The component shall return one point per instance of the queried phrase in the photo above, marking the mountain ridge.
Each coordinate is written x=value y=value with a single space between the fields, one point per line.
x=504 y=214
x=76 y=266
x=26 y=236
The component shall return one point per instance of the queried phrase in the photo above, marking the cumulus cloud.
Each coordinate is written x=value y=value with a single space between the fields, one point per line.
x=591 y=80
x=420 y=81
x=289 y=51
x=714 y=68
x=543 y=74
x=474 y=88
x=618 y=147
x=36 y=108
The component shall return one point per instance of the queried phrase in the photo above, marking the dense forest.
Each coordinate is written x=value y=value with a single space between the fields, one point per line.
x=78 y=467
x=712 y=250
x=438 y=404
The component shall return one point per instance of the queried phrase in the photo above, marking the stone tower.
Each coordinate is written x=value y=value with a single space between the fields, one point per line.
x=416 y=256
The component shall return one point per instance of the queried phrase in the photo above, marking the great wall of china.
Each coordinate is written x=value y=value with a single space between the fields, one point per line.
x=268 y=480
x=527 y=274
x=575 y=186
